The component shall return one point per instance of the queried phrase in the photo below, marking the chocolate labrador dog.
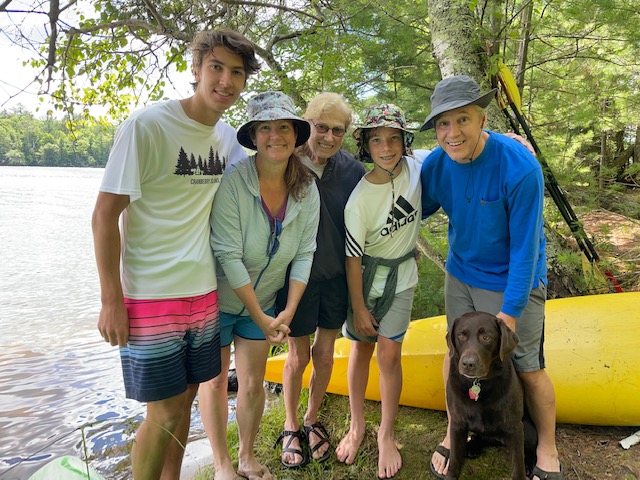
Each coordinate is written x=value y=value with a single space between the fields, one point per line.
x=484 y=393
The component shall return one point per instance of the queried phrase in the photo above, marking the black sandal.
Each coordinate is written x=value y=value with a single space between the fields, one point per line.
x=319 y=431
x=302 y=438
x=445 y=452
x=542 y=475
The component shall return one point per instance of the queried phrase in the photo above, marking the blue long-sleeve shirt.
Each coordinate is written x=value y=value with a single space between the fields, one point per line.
x=494 y=205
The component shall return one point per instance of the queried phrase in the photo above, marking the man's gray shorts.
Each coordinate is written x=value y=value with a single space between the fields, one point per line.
x=461 y=298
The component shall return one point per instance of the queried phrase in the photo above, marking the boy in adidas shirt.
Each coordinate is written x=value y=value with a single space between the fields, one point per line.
x=382 y=220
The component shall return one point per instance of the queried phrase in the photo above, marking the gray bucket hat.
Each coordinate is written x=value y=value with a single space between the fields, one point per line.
x=268 y=106
x=455 y=92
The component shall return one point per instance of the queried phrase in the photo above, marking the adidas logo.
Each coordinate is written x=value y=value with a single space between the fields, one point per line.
x=403 y=214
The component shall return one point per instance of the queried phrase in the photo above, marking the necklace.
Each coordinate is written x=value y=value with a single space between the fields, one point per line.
x=393 y=190
x=470 y=185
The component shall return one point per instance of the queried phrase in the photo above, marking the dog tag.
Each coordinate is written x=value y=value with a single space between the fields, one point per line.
x=474 y=392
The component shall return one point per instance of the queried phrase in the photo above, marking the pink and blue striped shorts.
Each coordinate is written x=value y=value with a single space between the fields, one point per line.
x=172 y=343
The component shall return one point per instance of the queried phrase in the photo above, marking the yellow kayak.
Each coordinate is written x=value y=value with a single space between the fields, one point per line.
x=592 y=352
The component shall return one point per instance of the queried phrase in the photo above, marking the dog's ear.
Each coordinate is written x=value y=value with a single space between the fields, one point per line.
x=508 y=339
x=451 y=337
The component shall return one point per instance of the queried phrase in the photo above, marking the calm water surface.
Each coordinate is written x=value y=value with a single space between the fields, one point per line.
x=59 y=382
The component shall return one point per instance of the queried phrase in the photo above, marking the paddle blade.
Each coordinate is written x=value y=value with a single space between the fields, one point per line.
x=509 y=84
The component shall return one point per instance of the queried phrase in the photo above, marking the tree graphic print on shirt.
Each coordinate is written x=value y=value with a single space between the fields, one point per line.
x=188 y=165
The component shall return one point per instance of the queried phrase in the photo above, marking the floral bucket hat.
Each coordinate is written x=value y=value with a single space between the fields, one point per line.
x=385 y=115
x=268 y=106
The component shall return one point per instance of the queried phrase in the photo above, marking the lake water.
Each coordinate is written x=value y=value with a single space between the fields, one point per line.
x=59 y=381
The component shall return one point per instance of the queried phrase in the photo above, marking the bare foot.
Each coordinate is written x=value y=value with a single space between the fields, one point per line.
x=257 y=473
x=349 y=446
x=389 y=459
x=225 y=473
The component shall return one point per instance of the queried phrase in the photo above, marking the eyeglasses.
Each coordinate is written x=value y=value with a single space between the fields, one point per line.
x=321 y=128
x=274 y=242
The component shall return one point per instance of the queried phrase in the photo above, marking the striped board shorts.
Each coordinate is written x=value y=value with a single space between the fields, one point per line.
x=172 y=343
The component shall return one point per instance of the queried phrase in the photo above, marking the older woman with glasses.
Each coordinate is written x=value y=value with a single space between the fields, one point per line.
x=323 y=307
x=265 y=218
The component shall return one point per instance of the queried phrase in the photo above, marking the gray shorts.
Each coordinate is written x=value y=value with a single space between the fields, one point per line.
x=392 y=326
x=461 y=298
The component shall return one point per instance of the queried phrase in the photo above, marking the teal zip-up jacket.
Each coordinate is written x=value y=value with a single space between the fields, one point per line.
x=240 y=232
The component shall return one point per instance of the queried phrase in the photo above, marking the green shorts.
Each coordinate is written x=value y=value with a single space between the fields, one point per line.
x=461 y=298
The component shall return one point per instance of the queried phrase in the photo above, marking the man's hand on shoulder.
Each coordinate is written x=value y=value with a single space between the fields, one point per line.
x=521 y=140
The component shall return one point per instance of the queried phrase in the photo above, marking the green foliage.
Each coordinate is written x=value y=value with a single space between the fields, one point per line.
x=580 y=77
x=428 y=299
x=580 y=82
x=25 y=140
x=579 y=74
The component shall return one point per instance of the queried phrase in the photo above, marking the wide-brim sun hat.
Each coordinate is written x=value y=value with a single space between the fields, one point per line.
x=385 y=115
x=269 y=106
x=455 y=92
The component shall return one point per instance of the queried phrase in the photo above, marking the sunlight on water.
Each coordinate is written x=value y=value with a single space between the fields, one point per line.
x=56 y=373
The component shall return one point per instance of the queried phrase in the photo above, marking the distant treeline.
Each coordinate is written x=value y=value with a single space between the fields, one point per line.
x=26 y=140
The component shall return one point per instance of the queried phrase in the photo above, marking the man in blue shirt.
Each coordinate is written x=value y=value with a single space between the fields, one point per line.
x=492 y=190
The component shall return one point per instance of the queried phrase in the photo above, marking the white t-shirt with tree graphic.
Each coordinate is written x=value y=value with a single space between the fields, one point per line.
x=170 y=166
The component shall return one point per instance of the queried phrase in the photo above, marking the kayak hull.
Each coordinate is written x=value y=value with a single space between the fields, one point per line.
x=592 y=353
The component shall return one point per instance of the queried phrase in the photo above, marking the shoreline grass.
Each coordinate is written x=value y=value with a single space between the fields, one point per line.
x=587 y=452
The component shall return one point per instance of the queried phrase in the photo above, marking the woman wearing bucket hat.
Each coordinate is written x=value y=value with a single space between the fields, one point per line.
x=264 y=218
x=382 y=220
x=492 y=190
x=323 y=307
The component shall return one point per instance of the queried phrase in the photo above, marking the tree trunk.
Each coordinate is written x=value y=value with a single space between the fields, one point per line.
x=431 y=253
x=603 y=156
x=636 y=149
x=524 y=46
x=452 y=24
x=456 y=49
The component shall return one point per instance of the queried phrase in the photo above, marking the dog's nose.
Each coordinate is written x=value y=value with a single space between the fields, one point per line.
x=469 y=362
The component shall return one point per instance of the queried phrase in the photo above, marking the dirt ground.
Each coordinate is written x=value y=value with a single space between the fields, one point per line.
x=590 y=453
x=617 y=241
x=593 y=453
